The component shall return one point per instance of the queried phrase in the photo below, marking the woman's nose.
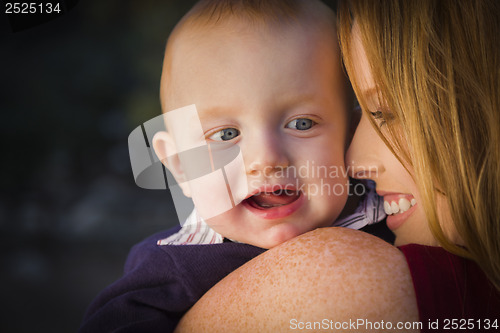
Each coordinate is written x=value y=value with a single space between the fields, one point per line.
x=362 y=158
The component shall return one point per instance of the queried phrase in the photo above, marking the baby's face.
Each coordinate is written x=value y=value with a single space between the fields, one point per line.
x=278 y=96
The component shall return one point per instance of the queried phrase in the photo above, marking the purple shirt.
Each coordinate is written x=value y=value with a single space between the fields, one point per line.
x=161 y=283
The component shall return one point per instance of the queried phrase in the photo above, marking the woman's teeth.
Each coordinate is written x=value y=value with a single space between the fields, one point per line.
x=398 y=207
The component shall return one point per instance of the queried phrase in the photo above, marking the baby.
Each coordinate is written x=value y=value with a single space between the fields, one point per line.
x=270 y=83
x=257 y=87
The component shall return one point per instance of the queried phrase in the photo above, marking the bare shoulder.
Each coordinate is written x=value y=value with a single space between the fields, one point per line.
x=324 y=277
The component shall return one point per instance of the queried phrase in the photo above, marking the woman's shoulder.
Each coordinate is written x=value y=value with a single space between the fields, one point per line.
x=327 y=276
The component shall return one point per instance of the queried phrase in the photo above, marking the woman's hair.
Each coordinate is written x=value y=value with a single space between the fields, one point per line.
x=436 y=63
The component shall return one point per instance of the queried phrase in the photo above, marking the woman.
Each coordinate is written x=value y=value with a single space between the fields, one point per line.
x=427 y=75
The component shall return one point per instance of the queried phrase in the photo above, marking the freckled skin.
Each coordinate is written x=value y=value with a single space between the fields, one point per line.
x=327 y=273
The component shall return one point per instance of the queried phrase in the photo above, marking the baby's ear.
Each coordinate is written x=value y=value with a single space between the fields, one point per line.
x=165 y=149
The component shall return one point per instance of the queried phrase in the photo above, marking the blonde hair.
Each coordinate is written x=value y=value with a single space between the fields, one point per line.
x=437 y=65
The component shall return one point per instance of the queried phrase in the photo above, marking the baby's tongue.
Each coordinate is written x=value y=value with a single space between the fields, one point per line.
x=272 y=199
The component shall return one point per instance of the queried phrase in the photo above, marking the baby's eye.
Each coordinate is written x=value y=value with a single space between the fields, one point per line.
x=225 y=134
x=301 y=124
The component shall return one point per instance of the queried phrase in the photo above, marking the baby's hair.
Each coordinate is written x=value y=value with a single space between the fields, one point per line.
x=258 y=12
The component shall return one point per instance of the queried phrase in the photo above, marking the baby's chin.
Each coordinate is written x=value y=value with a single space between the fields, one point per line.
x=241 y=225
x=265 y=238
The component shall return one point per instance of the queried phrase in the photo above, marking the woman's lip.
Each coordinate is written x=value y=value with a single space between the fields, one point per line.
x=396 y=220
x=383 y=193
x=275 y=212
x=394 y=196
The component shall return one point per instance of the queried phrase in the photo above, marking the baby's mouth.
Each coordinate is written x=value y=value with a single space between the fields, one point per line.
x=278 y=198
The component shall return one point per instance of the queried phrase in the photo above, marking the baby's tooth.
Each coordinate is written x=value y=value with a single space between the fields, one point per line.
x=413 y=202
x=387 y=208
x=394 y=207
x=404 y=205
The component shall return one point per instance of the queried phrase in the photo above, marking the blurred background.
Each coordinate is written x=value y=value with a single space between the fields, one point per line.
x=72 y=90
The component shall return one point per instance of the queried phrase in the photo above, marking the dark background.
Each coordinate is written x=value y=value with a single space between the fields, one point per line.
x=72 y=90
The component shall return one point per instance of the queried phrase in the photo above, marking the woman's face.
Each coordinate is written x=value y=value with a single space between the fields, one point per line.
x=371 y=158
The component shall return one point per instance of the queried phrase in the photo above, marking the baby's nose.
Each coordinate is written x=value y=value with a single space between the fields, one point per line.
x=266 y=158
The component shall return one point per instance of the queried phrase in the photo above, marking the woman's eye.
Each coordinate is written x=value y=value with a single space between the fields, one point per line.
x=379 y=116
x=301 y=124
x=225 y=134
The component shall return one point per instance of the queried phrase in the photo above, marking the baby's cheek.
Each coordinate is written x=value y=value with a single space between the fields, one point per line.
x=219 y=223
x=229 y=224
x=328 y=196
x=210 y=195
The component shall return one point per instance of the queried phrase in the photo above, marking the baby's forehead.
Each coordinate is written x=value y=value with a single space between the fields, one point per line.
x=232 y=16
x=192 y=41
x=199 y=38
